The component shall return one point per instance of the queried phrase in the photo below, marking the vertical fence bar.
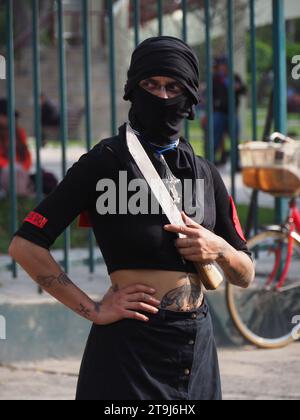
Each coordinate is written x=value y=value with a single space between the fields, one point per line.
x=87 y=73
x=254 y=94
x=88 y=113
x=160 y=13
x=232 y=110
x=185 y=39
x=12 y=121
x=184 y=20
x=37 y=108
x=112 y=67
x=209 y=141
x=36 y=94
x=280 y=84
x=253 y=69
x=137 y=20
x=63 y=113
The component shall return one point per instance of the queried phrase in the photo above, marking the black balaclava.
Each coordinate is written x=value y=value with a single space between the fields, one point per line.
x=160 y=119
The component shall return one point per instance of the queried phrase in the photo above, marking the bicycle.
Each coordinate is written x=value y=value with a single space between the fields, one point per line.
x=264 y=313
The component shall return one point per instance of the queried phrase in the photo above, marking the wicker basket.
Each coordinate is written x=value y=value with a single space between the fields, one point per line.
x=272 y=167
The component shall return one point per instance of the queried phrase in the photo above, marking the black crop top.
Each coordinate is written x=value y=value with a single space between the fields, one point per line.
x=130 y=241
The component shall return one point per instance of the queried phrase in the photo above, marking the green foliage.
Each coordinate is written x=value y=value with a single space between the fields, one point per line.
x=292 y=49
x=264 y=53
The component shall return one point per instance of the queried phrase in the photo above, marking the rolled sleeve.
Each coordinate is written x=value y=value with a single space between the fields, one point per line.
x=227 y=222
x=75 y=194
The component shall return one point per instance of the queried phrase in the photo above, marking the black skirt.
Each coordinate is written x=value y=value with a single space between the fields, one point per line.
x=172 y=357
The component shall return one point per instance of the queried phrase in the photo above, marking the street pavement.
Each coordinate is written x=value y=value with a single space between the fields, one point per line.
x=247 y=374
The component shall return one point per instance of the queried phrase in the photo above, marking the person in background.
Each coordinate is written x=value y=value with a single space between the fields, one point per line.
x=23 y=156
x=24 y=186
x=50 y=116
x=221 y=106
x=25 y=180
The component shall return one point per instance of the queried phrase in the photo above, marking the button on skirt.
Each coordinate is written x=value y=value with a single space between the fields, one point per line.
x=172 y=357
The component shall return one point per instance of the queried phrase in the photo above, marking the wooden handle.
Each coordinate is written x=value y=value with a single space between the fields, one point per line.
x=210 y=276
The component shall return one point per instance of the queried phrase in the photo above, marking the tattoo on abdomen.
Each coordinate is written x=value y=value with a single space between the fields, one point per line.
x=48 y=282
x=183 y=298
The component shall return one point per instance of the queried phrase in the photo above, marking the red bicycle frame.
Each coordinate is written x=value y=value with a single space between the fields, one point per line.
x=293 y=225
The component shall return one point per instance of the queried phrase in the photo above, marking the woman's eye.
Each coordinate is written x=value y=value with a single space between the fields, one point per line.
x=149 y=85
x=174 y=88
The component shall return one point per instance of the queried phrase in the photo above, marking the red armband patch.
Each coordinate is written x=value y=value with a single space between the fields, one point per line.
x=84 y=220
x=36 y=219
x=236 y=220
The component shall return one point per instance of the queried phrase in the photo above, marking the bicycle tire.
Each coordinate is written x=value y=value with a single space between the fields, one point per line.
x=244 y=329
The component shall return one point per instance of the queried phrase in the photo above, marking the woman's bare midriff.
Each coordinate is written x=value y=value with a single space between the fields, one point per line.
x=177 y=291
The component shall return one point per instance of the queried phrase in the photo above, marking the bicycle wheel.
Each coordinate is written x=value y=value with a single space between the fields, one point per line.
x=264 y=314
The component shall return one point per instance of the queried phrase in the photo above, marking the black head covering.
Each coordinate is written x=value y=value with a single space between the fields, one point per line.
x=164 y=56
x=4 y=108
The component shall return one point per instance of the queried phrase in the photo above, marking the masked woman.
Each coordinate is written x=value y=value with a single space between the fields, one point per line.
x=152 y=336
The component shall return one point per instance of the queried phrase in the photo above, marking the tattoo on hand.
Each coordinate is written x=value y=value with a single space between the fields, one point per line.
x=98 y=307
x=48 y=282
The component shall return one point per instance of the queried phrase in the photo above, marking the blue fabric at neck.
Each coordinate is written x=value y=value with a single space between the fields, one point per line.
x=161 y=149
x=158 y=149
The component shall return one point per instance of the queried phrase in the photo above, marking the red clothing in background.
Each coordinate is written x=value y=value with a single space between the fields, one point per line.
x=23 y=156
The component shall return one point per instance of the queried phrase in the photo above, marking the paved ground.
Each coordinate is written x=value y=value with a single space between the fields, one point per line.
x=247 y=375
x=261 y=374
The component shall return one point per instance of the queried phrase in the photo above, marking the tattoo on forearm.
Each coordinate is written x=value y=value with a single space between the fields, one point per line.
x=48 y=282
x=239 y=277
x=83 y=311
x=87 y=313
x=64 y=280
x=242 y=276
x=184 y=298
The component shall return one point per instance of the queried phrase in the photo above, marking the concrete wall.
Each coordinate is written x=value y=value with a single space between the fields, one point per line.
x=43 y=331
x=75 y=87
